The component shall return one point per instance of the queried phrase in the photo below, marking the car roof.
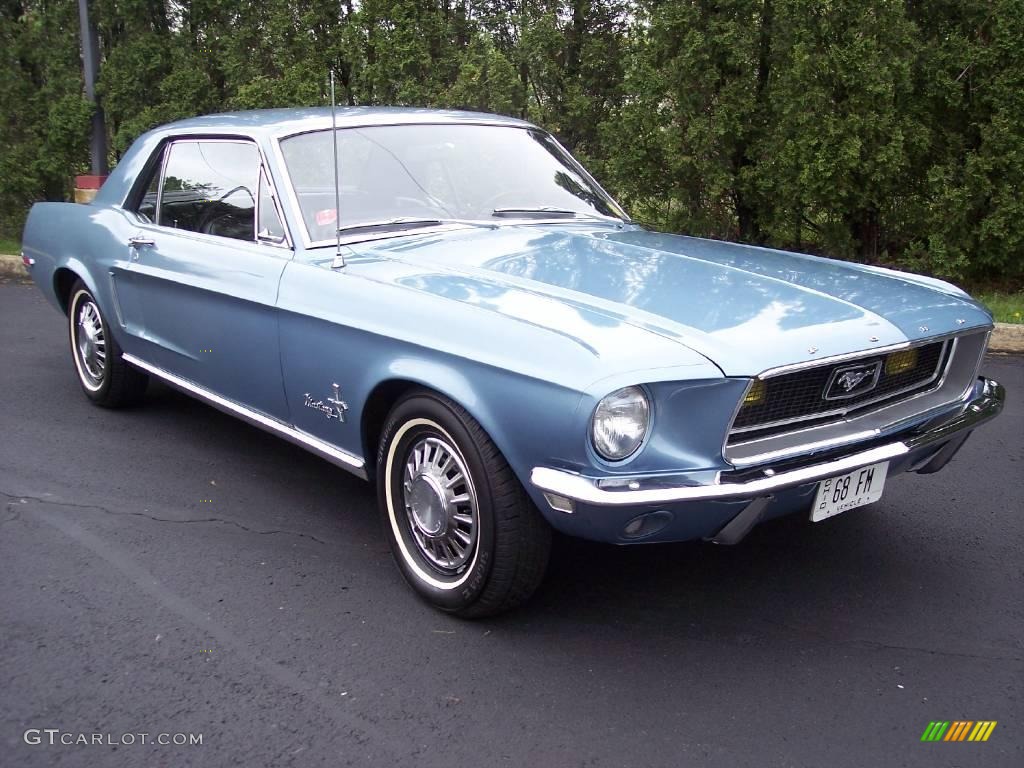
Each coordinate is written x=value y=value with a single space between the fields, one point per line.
x=283 y=122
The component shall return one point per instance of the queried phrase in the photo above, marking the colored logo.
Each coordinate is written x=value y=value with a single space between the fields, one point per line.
x=958 y=730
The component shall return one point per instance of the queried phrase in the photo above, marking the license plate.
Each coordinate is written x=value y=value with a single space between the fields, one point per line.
x=838 y=494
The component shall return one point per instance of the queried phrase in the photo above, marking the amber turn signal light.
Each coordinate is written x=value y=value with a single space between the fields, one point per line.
x=901 y=362
x=755 y=394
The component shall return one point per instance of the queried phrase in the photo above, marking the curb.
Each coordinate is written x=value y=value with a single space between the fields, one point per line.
x=1006 y=337
x=11 y=267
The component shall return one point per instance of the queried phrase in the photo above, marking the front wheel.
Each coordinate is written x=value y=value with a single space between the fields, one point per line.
x=462 y=530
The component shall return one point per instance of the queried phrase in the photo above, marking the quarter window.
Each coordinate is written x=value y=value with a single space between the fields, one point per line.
x=269 y=226
x=147 y=206
x=210 y=187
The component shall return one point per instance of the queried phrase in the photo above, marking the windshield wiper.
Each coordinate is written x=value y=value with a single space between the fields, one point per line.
x=537 y=210
x=551 y=212
x=408 y=222
x=388 y=224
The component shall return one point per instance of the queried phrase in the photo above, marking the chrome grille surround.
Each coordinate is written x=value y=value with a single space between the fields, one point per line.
x=800 y=396
x=959 y=364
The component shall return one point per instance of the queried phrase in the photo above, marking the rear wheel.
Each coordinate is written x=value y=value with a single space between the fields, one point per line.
x=461 y=528
x=105 y=377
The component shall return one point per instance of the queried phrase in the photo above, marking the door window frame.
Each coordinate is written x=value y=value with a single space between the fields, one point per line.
x=162 y=154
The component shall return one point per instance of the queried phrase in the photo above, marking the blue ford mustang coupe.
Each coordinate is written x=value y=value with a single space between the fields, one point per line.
x=448 y=303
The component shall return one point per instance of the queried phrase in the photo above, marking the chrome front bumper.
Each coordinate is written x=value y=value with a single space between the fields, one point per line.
x=559 y=486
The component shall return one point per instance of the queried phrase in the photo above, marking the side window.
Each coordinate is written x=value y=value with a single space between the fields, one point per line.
x=269 y=227
x=147 y=206
x=210 y=187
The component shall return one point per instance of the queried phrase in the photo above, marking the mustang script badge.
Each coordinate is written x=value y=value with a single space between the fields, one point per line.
x=852 y=380
x=334 y=408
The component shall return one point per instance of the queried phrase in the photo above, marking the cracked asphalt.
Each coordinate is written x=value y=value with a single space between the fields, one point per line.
x=171 y=570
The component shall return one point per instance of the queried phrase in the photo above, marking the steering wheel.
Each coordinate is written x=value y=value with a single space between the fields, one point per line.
x=214 y=210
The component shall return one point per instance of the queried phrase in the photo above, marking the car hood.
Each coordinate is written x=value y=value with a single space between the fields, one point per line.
x=747 y=309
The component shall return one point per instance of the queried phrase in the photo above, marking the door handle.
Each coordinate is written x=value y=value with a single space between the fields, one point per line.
x=139 y=240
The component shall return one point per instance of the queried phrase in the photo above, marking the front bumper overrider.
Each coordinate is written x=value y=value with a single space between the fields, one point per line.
x=930 y=447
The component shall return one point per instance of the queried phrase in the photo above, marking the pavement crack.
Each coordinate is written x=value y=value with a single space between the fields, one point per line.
x=362 y=728
x=14 y=497
x=880 y=645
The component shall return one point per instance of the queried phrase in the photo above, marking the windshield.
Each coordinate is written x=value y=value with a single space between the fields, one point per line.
x=390 y=176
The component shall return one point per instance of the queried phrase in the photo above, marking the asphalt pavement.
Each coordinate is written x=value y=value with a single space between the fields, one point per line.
x=169 y=570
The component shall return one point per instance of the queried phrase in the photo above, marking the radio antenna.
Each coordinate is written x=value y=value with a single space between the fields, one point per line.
x=339 y=258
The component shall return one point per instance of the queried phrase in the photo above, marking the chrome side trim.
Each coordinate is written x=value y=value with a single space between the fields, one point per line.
x=321 y=448
x=984 y=406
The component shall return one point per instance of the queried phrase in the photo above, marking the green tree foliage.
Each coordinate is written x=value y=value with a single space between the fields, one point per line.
x=845 y=139
x=44 y=129
x=890 y=131
x=688 y=129
x=970 y=77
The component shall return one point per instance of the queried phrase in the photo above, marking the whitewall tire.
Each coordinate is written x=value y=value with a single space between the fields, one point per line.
x=462 y=530
x=105 y=378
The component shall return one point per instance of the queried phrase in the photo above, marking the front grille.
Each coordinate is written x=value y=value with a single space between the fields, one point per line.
x=800 y=396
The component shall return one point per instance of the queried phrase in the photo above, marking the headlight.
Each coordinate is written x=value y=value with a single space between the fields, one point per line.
x=620 y=423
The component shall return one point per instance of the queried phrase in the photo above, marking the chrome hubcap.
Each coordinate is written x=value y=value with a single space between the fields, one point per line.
x=90 y=342
x=440 y=503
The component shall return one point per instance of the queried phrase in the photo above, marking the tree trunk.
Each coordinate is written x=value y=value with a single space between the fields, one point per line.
x=865 y=228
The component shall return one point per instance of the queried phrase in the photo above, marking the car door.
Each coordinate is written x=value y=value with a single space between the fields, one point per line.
x=204 y=273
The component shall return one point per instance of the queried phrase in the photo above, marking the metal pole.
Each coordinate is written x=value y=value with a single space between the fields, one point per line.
x=339 y=257
x=91 y=66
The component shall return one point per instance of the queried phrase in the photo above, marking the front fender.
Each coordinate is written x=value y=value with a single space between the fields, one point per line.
x=526 y=418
